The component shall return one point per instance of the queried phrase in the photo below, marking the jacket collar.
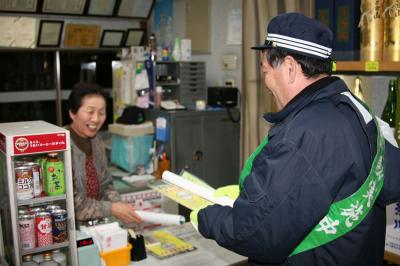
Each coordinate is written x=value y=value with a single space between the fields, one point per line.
x=317 y=90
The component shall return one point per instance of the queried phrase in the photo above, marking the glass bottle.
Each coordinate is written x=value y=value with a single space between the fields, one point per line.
x=389 y=111
x=59 y=257
x=48 y=260
x=357 y=90
x=397 y=128
x=28 y=261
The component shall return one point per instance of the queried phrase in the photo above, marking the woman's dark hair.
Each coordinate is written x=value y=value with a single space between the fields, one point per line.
x=311 y=66
x=79 y=91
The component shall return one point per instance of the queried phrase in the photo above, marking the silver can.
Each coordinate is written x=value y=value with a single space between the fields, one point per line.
x=24 y=182
x=37 y=178
x=51 y=208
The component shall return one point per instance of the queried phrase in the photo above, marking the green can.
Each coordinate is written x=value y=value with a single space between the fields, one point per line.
x=54 y=172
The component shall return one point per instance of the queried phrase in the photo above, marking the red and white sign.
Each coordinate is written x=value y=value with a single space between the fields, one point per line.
x=3 y=143
x=39 y=143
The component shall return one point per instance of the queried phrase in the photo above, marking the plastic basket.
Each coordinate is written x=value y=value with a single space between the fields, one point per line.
x=117 y=257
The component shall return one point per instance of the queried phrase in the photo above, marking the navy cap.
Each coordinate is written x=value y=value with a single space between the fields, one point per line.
x=298 y=34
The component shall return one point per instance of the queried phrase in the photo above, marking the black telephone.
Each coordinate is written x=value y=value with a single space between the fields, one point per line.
x=222 y=97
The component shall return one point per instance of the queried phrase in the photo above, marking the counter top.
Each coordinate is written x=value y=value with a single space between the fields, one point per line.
x=207 y=252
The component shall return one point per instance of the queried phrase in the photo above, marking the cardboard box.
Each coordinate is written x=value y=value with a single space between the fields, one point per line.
x=131 y=130
x=392 y=242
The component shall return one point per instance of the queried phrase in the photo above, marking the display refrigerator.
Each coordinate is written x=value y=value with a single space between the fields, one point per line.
x=36 y=192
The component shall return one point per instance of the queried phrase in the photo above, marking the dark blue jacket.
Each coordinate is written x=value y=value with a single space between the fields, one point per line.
x=320 y=151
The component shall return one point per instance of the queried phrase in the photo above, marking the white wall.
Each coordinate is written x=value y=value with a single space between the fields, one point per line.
x=219 y=10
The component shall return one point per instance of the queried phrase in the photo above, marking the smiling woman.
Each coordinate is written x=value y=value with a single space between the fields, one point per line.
x=95 y=196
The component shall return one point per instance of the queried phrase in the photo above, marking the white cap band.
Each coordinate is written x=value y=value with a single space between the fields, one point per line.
x=299 y=45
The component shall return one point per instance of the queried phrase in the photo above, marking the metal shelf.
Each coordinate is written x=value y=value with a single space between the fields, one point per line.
x=41 y=249
x=40 y=200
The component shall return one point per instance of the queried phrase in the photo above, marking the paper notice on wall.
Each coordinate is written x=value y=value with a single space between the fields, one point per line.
x=392 y=243
x=234 y=33
x=25 y=32
x=6 y=31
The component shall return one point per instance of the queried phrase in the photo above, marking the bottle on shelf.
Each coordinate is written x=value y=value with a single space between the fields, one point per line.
x=48 y=260
x=397 y=127
x=153 y=47
x=59 y=257
x=389 y=111
x=158 y=96
x=28 y=261
x=357 y=89
x=55 y=183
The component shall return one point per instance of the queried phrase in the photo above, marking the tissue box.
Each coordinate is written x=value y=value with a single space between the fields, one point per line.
x=131 y=145
x=108 y=236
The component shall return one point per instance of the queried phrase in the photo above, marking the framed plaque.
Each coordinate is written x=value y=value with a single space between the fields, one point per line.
x=64 y=6
x=81 y=35
x=134 y=37
x=18 y=6
x=50 y=33
x=101 y=7
x=135 y=8
x=111 y=38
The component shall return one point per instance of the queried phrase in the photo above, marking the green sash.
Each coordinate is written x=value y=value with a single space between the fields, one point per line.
x=346 y=214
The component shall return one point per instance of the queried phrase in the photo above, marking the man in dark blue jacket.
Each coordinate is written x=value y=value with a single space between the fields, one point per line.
x=314 y=192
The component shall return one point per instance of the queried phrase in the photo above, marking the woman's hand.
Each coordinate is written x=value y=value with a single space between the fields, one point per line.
x=125 y=212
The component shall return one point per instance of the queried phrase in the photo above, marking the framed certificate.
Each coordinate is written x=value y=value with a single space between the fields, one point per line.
x=101 y=7
x=111 y=38
x=18 y=6
x=135 y=8
x=81 y=35
x=134 y=37
x=50 y=33
x=64 y=6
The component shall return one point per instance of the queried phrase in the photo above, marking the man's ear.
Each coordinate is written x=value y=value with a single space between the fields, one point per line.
x=292 y=68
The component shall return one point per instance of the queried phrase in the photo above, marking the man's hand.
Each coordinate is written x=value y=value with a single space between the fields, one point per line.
x=231 y=191
x=125 y=212
x=194 y=218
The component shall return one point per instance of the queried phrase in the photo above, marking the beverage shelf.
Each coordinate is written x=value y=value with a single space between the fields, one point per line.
x=361 y=66
x=40 y=200
x=41 y=249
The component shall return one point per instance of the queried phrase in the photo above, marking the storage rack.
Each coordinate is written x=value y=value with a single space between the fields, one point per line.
x=40 y=138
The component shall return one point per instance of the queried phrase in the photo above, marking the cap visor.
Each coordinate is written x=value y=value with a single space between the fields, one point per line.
x=261 y=47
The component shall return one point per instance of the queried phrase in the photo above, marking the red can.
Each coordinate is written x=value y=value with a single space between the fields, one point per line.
x=44 y=235
x=27 y=231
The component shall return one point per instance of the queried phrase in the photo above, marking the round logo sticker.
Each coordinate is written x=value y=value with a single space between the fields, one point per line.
x=21 y=144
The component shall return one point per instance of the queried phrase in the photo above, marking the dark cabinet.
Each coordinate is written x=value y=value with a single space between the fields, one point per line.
x=206 y=143
x=182 y=81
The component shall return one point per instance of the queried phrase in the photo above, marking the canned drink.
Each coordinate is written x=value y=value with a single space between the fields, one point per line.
x=27 y=231
x=36 y=210
x=51 y=208
x=54 y=170
x=23 y=211
x=24 y=182
x=59 y=225
x=18 y=164
x=44 y=236
x=37 y=179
